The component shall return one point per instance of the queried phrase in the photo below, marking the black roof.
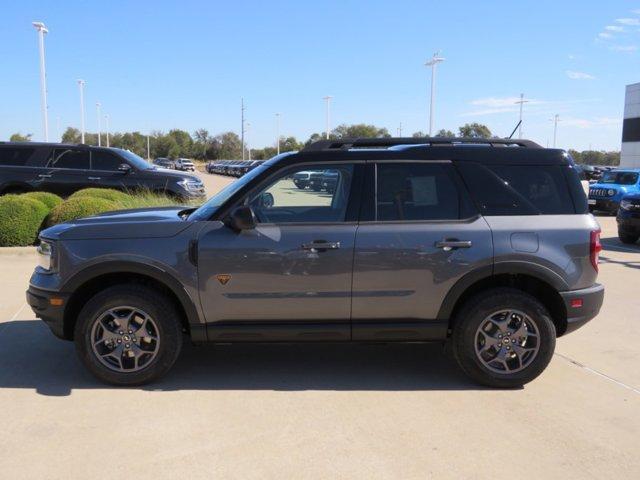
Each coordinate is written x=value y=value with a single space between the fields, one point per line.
x=488 y=151
x=51 y=144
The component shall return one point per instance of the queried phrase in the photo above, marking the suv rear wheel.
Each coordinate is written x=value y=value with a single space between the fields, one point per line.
x=128 y=335
x=503 y=338
x=627 y=237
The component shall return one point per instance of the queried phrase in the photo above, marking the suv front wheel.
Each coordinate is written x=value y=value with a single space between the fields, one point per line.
x=503 y=338
x=128 y=335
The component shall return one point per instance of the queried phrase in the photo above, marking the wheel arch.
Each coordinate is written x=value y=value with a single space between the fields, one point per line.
x=91 y=280
x=533 y=279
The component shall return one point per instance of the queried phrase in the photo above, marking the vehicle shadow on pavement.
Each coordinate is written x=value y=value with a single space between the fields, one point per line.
x=30 y=357
x=615 y=245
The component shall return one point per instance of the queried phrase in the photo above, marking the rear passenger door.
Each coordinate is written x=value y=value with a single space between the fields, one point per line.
x=67 y=171
x=419 y=234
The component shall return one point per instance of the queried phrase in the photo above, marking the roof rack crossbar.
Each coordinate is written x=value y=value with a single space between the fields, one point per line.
x=348 y=143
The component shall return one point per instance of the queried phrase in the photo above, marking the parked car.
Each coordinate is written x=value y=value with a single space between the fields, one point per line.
x=301 y=179
x=330 y=180
x=65 y=168
x=184 y=164
x=164 y=163
x=629 y=218
x=606 y=194
x=422 y=240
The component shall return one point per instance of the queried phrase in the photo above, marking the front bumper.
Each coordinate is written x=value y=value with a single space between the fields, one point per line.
x=603 y=204
x=592 y=299
x=40 y=302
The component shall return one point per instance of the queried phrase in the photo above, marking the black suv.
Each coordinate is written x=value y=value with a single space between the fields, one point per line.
x=486 y=245
x=63 y=169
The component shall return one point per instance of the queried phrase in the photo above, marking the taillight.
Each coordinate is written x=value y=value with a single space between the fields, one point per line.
x=595 y=247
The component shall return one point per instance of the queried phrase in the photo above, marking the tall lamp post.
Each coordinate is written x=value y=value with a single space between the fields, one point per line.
x=521 y=101
x=277 y=134
x=328 y=114
x=81 y=86
x=435 y=60
x=98 y=105
x=39 y=26
x=556 y=119
x=106 y=126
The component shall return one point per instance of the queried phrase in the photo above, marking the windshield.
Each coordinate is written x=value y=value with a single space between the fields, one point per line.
x=620 y=178
x=135 y=160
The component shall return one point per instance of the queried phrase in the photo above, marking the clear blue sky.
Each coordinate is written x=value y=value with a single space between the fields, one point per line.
x=158 y=65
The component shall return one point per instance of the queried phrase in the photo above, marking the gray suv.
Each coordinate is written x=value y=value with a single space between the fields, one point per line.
x=485 y=246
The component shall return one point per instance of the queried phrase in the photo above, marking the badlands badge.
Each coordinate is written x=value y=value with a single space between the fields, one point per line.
x=223 y=278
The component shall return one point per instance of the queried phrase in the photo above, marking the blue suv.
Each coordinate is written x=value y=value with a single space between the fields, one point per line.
x=612 y=186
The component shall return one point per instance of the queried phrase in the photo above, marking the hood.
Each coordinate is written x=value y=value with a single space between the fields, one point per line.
x=137 y=223
x=167 y=172
x=632 y=196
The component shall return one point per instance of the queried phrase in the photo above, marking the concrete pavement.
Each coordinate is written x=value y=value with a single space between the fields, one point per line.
x=324 y=411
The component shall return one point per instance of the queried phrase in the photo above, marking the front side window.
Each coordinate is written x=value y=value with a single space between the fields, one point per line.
x=101 y=160
x=322 y=197
x=69 y=158
x=415 y=191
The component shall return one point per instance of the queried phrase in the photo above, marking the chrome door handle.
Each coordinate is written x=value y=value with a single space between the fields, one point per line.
x=320 y=246
x=42 y=175
x=448 y=245
x=94 y=178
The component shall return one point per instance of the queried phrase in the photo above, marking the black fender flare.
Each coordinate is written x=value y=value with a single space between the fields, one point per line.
x=118 y=266
x=534 y=270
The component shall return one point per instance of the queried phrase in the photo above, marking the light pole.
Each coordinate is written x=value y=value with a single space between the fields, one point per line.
x=43 y=78
x=247 y=140
x=81 y=86
x=106 y=126
x=242 y=125
x=148 y=150
x=556 y=119
x=400 y=130
x=98 y=105
x=521 y=101
x=58 y=128
x=435 y=60
x=328 y=113
x=277 y=134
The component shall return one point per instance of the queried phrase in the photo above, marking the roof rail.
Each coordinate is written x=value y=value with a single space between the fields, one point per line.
x=349 y=143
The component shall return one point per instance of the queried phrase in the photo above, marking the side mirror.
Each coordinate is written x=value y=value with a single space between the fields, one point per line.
x=242 y=218
x=124 y=168
x=266 y=200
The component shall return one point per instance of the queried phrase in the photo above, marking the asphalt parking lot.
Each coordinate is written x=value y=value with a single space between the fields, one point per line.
x=324 y=411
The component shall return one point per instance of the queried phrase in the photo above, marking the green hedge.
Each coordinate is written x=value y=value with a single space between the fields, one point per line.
x=51 y=200
x=79 y=207
x=21 y=218
x=104 y=193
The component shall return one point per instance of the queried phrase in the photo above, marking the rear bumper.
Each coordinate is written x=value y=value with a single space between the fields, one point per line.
x=53 y=316
x=592 y=299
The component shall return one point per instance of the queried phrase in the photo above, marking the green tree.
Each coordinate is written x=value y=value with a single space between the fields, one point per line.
x=228 y=146
x=360 y=130
x=419 y=134
x=474 y=130
x=18 y=137
x=445 y=133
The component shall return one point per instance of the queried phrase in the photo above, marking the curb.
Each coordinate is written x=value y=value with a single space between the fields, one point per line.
x=13 y=251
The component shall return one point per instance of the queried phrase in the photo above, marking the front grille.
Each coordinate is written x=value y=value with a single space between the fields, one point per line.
x=599 y=192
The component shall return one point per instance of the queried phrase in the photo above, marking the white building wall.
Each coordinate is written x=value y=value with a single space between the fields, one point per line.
x=630 y=155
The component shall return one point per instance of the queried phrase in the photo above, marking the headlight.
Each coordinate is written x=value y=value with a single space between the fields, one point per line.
x=611 y=192
x=45 y=256
x=625 y=204
x=191 y=185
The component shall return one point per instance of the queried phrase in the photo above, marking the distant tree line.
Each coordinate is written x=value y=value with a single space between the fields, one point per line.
x=202 y=145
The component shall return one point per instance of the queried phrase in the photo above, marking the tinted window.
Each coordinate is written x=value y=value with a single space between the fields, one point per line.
x=518 y=189
x=15 y=156
x=415 y=191
x=69 y=158
x=285 y=200
x=621 y=178
x=101 y=160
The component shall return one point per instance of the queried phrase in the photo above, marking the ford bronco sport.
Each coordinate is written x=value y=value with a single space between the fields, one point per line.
x=485 y=245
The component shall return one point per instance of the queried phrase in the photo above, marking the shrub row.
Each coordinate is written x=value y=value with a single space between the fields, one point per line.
x=23 y=216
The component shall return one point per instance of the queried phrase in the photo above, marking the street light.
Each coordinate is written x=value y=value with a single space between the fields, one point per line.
x=106 y=126
x=328 y=100
x=521 y=101
x=39 y=26
x=81 y=86
x=98 y=105
x=278 y=133
x=247 y=140
x=435 y=60
x=555 y=119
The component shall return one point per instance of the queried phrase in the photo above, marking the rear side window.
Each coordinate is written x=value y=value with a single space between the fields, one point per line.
x=105 y=161
x=415 y=191
x=17 y=157
x=69 y=158
x=518 y=189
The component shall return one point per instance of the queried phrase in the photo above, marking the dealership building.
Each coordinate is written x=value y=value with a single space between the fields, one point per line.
x=630 y=156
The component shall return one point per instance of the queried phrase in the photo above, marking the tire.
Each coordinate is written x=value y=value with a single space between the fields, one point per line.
x=475 y=313
x=166 y=325
x=627 y=237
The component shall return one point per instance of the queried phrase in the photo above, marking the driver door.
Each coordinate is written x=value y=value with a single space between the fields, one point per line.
x=290 y=277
